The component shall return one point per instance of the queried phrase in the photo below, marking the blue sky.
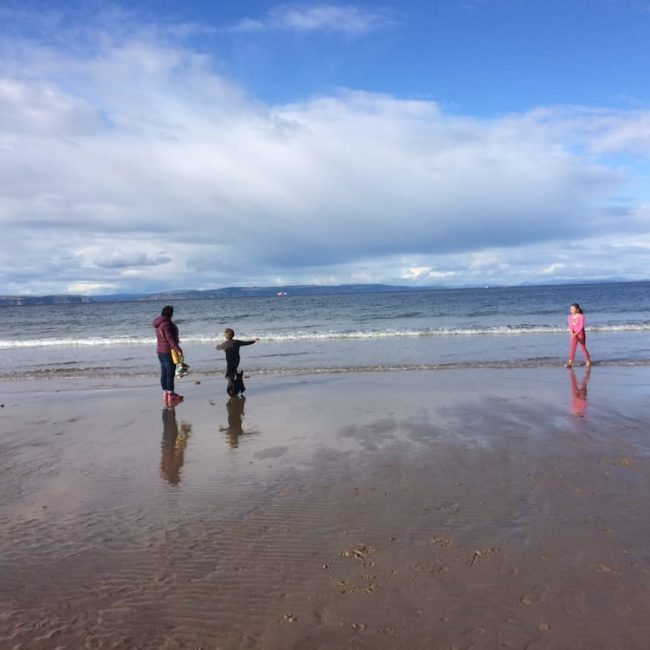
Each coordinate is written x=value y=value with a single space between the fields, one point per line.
x=162 y=145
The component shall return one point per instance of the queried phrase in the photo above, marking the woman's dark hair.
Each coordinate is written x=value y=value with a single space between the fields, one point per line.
x=167 y=311
x=578 y=308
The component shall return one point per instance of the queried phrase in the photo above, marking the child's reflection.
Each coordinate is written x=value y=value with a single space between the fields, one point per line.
x=174 y=441
x=579 y=392
x=234 y=430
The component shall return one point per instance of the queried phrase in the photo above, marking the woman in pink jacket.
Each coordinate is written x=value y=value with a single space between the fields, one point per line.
x=166 y=341
x=578 y=335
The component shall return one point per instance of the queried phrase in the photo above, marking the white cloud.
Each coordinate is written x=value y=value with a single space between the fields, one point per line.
x=91 y=288
x=30 y=109
x=599 y=130
x=555 y=268
x=306 y=18
x=135 y=166
x=415 y=272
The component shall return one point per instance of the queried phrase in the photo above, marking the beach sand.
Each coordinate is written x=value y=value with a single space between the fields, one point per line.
x=454 y=509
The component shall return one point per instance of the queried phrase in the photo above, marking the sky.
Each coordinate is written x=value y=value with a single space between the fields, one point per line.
x=158 y=145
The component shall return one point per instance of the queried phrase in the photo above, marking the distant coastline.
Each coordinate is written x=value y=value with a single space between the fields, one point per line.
x=207 y=294
x=18 y=301
x=264 y=292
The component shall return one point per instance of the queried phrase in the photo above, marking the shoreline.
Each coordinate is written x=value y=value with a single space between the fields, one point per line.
x=201 y=375
x=465 y=508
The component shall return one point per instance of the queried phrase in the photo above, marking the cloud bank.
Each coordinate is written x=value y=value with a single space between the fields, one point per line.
x=132 y=165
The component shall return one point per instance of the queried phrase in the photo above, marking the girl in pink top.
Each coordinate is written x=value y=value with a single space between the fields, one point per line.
x=578 y=335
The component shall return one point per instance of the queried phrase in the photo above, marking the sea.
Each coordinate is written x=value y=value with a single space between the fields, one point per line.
x=428 y=329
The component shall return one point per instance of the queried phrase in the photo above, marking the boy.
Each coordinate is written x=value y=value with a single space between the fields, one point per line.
x=231 y=347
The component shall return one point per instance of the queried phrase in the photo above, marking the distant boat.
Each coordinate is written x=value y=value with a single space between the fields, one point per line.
x=282 y=294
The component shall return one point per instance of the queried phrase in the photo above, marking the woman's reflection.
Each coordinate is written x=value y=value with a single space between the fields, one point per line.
x=174 y=441
x=579 y=392
x=234 y=430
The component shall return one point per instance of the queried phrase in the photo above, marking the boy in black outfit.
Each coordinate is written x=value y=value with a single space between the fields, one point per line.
x=231 y=347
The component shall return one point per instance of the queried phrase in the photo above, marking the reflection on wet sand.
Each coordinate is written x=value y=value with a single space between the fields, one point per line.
x=234 y=430
x=174 y=442
x=406 y=510
x=579 y=392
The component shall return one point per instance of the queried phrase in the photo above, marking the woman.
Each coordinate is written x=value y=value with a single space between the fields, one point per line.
x=166 y=341
x=578 y=335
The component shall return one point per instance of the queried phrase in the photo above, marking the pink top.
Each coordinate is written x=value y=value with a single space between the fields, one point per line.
x=578 y=396
x=576 y=323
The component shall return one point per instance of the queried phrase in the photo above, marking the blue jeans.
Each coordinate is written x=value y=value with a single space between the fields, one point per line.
x=167 y=370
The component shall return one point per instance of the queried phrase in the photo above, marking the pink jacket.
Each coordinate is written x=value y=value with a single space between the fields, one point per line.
x=577 y=325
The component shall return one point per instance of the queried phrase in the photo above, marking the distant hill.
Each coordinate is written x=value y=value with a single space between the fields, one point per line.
x=261 y=292
x=289 y=290
x=206 y=294
x=44 y=300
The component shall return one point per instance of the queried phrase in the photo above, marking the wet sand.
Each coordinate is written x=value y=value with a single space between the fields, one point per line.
x=452 y=509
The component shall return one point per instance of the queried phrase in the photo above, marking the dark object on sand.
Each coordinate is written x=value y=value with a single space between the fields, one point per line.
x=236 y=384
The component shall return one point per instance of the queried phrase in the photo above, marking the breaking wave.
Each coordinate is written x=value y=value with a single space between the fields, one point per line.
x=501 y=330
